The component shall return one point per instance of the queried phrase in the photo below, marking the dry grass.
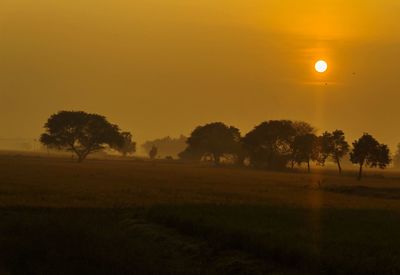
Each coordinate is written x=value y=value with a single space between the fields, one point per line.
x=61 y=217
x=38 y=181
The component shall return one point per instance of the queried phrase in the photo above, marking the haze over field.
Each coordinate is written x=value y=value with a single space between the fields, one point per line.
x=161 y=68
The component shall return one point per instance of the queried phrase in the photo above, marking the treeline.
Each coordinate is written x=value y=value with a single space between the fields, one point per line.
x=279 y=144
x=274 y=144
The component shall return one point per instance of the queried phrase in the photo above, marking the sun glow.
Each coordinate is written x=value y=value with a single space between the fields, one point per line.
x=321 y=66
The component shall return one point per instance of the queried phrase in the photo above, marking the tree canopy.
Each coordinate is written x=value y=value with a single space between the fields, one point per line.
x=80 y=132
x=367 y=151
x=127 y=146
x=334 y=145
x=270 y=144
x=305 y=149
x=214 y=140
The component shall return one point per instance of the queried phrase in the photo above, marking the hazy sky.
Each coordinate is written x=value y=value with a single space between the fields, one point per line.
x=162 y=67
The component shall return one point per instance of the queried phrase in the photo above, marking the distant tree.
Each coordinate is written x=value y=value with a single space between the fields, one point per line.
x=80 y=132
x=128 y=146
x=334 y=145
x=269 y=144
x=153 y=152
x=305 y=149
x=215 y=140
x=396 y=158
x=166 y=146
x=369 y=152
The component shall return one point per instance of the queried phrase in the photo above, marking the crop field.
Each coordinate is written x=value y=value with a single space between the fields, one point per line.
x=167 y=217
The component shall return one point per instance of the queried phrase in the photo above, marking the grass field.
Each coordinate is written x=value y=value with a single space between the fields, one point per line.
x=139 y=217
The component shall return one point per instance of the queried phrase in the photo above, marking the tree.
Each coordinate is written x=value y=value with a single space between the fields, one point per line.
x=305 y=149
x=128 y=146
x=241 y=154
x=396 y=158
x=369 y=152
x=153 y=152
x=301 y=129
x=334 y=145
x=213 y=139
x=190 y=153
x=269 y=144
x=80 y=132
x=166 y=146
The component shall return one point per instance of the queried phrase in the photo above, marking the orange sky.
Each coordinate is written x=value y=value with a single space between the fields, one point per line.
x=162 y=67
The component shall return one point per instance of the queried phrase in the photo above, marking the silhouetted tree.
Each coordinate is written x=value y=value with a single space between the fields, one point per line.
x=80 y=132
x=241 y=154
x=128 y=146
x=270 y=144
x=305 y=149
x=191 y=153
x=369 y=152
x=301 y=128
x=153 y=152
x=214 y=139
x=334 y=145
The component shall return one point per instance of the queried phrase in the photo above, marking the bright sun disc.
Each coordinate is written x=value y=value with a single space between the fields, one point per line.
x=321 y=66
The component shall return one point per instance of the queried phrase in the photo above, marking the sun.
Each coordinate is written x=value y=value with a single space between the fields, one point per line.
x=321 y=66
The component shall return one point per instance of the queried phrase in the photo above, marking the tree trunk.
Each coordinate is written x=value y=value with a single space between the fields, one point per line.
x=339 y=166
x=360 y=171
x=80 y=158
x=308 y=166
